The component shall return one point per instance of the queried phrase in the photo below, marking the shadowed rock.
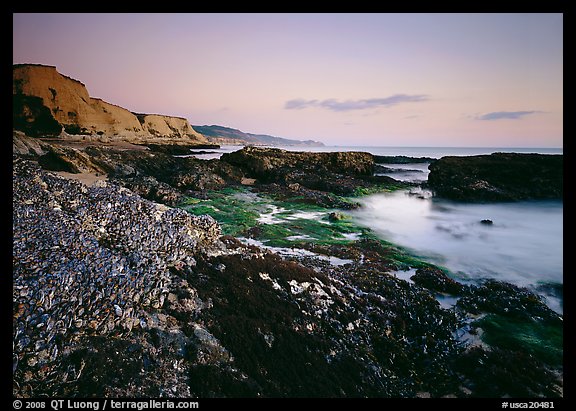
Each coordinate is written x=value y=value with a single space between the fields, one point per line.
x=498 y=177
x=340 y=173
x=436 y=280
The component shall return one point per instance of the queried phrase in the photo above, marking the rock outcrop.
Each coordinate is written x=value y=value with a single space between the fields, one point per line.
x=154 y=175
x=341 y=173
x=498 y=177
x=270 y=163
x=45 y=102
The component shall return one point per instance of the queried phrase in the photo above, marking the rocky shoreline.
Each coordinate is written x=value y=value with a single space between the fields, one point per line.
x=117 y=295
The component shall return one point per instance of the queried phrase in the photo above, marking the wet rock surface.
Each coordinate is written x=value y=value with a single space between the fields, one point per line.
x=179 y=149
x=402 y=160
x=87 y=263
x=436 y=280
x=340 y=173
x=498 y=177
x=274 y=163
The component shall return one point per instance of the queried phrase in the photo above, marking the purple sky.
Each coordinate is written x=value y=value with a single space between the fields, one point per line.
x=346 y=79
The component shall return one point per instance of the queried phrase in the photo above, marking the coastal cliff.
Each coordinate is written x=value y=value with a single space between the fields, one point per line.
x=45 y=102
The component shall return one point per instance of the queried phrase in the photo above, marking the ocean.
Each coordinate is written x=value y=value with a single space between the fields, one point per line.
x=432 y=152
x=523 y=246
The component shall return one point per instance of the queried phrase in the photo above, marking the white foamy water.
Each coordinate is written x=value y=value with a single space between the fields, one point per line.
x=296 y=252
x=524 y=245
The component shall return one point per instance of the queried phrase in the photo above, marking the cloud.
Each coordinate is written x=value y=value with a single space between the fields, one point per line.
x=349 y=105
x=298 y=104
x=505 y=115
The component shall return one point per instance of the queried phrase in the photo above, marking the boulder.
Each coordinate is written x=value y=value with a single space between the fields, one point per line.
x=436 y=280
x=498 y=177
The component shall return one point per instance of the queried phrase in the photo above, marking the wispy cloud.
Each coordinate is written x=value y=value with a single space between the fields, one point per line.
x=299 y=103
x=349 y=105
x=505 y=115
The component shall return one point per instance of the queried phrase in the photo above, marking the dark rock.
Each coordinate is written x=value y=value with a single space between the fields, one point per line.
x=340 y=173
x=486 y=221
x=182 y=174
x=31 y=116
x=179 y=149
x=498 y=177
x=26 y=146
x=379 y=168
x=435 y=279
x=306 y=196
x=402 y=160
x=55 y=162
x=499 y=373
x=502 y=298
x=272 y=164
x=336 y=216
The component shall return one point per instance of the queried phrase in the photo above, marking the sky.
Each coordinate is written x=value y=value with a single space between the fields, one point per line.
x=415 y=79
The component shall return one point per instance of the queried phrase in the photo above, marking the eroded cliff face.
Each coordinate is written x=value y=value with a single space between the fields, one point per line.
x=159 y=125
x=37 y=88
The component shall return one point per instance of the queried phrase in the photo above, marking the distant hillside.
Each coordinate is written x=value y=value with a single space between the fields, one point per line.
x=225 y=135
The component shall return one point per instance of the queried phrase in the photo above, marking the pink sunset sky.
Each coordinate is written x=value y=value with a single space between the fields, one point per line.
x=471 y=80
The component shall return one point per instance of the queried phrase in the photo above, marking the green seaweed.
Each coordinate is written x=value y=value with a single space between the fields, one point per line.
x=543 y=340
x=238 y=209
x=228 y=210
x=377 y=188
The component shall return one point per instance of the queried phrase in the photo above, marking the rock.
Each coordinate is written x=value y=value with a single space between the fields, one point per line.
x=486 y=221
x=156 y=176
x=436 y=280
x=27 y=146
x=272 y=164
x=55 y=161
x=294 y=186
x=336 y=216
x=498 y=177
x=402 y=160
x=506 y=299
x=150 y=188
x=175 y=148
x=340 y=173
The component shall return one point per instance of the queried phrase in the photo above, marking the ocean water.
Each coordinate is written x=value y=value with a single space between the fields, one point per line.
x=523 y=246
x=432 y=152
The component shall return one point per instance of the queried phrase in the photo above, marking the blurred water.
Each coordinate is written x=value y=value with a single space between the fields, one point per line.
x=523 y=245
